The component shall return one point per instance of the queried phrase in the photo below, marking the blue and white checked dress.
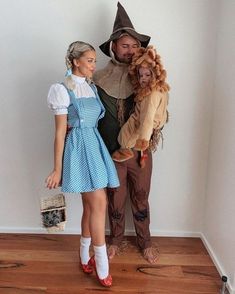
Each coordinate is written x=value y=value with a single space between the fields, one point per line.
x=87 y=165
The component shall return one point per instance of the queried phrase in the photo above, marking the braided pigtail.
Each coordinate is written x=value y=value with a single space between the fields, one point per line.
x=75 y=51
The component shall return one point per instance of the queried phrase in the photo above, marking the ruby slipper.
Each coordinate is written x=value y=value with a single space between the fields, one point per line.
x=87 y=269
x=106 y=282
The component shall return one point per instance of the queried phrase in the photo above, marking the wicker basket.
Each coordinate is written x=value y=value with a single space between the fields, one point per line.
x=53 y=211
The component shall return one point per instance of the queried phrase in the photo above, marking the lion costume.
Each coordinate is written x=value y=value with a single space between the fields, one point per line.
x=143 y=128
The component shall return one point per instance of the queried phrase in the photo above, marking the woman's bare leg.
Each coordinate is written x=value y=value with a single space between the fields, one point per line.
x=97 y=202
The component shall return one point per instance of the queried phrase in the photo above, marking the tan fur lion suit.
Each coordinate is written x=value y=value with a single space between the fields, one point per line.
x=143 y=128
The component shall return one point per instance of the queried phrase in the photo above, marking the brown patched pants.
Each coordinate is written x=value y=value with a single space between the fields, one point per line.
x=134 y=182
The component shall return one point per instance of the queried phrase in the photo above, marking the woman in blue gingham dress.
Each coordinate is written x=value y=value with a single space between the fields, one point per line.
x=87 y=165
x=81 y=158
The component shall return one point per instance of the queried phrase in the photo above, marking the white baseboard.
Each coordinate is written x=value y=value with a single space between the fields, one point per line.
x=160 y=233
x=23 y=230
x=128 y=232
x=217 y=264
x=38 y=230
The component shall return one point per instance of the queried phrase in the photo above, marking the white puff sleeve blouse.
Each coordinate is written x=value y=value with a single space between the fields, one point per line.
x=58 y=99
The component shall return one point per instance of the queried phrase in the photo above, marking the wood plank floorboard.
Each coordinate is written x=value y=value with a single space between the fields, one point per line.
x=43 y=263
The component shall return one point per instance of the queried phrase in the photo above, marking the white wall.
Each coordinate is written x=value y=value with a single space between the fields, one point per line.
x=32 y=47
x=219 y=226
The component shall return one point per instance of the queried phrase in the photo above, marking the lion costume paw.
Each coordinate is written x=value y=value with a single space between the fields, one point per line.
x=141 y=145
x=122 y=155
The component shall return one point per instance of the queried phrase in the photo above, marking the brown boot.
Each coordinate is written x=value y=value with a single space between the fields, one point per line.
x=121 y=155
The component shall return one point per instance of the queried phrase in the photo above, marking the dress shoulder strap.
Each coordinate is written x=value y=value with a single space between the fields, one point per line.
x=70 y=92
x=72 y=97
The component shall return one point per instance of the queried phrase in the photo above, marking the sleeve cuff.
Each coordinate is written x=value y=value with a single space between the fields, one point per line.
x=59 y=111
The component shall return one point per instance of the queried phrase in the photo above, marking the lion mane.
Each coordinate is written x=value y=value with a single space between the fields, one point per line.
x=148 y=57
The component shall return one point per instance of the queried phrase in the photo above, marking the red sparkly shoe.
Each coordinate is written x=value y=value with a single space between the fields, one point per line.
x=87 y=269
x=106 y=282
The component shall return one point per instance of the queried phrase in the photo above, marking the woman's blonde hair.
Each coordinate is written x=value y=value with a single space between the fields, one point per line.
x=75 y=51
x=148 y=58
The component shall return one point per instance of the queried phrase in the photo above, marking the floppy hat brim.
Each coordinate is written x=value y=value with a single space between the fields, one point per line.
x=144 y=39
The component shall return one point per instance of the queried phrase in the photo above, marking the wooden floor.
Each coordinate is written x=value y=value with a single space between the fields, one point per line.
x=37 y=264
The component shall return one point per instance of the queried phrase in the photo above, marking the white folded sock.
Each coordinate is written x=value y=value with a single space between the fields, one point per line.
x=101 y=260
x=84 y=249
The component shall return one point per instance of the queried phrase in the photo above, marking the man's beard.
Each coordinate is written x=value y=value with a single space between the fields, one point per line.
x=126 y=60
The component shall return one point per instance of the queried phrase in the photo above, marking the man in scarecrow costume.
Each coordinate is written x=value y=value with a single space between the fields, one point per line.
x=116 y=93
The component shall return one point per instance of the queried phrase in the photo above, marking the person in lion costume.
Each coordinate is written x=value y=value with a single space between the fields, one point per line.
x=143 y=128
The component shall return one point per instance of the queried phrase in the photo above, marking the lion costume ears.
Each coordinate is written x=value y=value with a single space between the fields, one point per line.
x=147 y=55
x=151 y=52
